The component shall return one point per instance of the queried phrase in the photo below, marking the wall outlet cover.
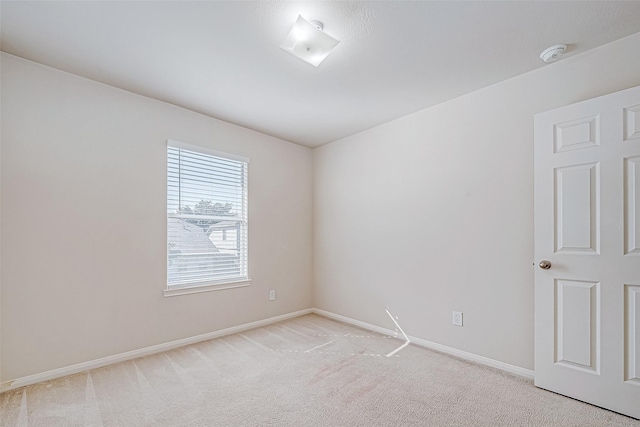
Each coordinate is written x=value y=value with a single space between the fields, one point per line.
x=457 y=318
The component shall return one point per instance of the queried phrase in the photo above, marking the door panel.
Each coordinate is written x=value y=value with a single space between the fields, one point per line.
x=632 y=334
x=577 y=134
x=587 y=224
x=632 y=122
x=632 y=205
x=577 y=207
x=577 y=324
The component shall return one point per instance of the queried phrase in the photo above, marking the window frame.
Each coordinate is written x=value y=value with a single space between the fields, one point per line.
x=207 y=285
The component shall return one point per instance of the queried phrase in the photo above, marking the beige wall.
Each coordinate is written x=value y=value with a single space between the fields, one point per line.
x=433 y=212
x=1 y=218
x=84 y=226
x=424 y=215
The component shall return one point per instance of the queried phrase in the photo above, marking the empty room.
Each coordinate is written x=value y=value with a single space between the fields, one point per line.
x=319 y=213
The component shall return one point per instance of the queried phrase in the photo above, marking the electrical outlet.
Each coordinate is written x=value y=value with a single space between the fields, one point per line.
x=457 y=318
x=272 y=295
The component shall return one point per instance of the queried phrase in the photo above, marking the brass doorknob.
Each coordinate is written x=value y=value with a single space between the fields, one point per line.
x=545 y=265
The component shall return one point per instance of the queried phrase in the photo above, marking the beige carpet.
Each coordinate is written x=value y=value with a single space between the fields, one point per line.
x=308 y=371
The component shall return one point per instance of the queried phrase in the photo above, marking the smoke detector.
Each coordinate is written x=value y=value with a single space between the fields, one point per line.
x=553 y=53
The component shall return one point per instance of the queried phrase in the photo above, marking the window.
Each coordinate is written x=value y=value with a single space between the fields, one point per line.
x=206 y=219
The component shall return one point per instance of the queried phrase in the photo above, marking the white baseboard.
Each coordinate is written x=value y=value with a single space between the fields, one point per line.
x=517 y=370
x=363 y=325
x=98 y=363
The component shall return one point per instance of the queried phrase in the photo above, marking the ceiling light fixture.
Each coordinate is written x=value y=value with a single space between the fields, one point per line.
x=553 y=53
x=307 y=41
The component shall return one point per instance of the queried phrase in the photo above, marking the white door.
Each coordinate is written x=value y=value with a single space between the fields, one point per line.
x=587 y=225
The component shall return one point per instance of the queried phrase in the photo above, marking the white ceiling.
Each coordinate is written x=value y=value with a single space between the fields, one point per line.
x=221 y=58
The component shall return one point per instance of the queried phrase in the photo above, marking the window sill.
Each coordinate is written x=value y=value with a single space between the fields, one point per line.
x=206 y=288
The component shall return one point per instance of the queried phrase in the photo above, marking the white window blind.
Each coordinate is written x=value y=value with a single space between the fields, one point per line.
x=206 y=218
